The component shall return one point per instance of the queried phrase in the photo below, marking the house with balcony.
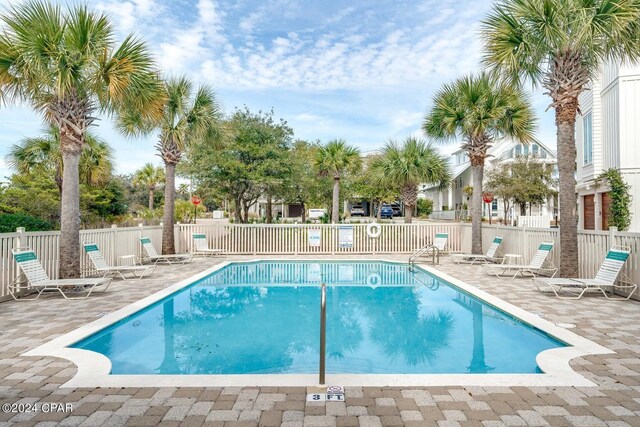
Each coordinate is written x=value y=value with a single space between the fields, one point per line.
x=452 y=203
x=608 y=136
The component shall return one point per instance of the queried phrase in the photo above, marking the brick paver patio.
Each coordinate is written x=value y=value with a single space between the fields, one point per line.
x=614 y=402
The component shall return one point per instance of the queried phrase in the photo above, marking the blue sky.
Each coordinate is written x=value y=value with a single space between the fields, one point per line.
x=364 y=71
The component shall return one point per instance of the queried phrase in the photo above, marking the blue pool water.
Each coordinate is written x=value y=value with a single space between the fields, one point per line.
x=263 y=318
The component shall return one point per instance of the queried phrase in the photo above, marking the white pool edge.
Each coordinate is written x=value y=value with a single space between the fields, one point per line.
x=94 y=368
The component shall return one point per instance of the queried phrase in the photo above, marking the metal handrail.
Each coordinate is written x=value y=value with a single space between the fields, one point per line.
x=421 y=251
x=323 y=331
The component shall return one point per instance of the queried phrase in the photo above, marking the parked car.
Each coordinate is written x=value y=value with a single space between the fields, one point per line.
x=396 y=209
x=357 y=210
x=386 y=211
x=316 y=213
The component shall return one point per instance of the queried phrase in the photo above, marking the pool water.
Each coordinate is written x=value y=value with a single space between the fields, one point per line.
x=264 y=317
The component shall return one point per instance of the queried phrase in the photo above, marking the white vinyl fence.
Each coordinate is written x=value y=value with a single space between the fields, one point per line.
x=240 y=239
x=592 y=246
x=294 y=239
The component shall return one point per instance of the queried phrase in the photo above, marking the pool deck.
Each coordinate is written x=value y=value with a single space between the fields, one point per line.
x=36 y=380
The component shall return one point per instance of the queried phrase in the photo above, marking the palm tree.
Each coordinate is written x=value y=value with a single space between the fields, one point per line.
x=407 y=166
x=67 y=66
x=337 y=159
x=480 y=109
x=560 y=45
x=187 y=115
x=149 y=177
x=43 y=155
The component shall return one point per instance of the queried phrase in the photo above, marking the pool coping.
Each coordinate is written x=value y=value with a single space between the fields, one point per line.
x=94 y=368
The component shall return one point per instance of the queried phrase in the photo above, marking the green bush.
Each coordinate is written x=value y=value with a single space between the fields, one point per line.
x=425 y=207
x=9 y=223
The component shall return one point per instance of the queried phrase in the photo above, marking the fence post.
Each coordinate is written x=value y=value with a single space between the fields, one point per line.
x=114 y=244
x=611 y=239
x=525 y=244
x=20 y=240
x=254 y=244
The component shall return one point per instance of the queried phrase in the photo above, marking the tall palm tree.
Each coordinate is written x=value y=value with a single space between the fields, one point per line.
x=149 y=177
x=560 y=45
x=188 y=115
x=480 y=109
x=407 y=166
x=66 y=65
x=43 y=155
x=337 y=159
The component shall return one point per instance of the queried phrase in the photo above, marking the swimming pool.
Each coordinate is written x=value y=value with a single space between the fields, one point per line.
x=263 y=318
x=257 y=323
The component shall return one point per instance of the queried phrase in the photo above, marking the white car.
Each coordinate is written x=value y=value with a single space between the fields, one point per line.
x=357 y=210
x=317 y=213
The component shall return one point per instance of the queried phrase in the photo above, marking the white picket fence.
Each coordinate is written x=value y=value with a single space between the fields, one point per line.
x=293 y=239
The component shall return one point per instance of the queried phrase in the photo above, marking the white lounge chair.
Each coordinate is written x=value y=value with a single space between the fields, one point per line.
x=202 y=247
x=105 y=269
x=493 y=254
x=540 y=264
x=154 y=257
x=605 y=279
x=38 y=280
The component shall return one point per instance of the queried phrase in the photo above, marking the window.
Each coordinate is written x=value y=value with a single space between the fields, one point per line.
x=518 y=150
x=494 y=207
x=587 y=127
x=535 y=150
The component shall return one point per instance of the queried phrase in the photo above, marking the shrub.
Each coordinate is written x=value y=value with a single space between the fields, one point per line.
x=425 y=207
x=9 y=223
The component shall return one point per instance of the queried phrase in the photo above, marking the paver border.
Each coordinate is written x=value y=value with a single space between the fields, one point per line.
x=94 y=368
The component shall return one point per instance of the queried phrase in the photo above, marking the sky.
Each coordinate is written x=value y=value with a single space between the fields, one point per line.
x=363 y=71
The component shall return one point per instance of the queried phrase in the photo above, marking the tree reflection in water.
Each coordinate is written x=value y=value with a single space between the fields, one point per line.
x=401 y=330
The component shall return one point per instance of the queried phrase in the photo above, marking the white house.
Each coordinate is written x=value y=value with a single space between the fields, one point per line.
x=452 y=202
x=608 y=136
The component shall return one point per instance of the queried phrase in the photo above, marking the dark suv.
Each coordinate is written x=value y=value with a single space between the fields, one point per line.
x=396 y=209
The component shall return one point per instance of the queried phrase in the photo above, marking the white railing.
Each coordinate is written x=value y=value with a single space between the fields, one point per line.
x=294 y=239
x=538 y=221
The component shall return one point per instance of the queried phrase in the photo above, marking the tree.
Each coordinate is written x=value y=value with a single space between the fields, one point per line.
x=368 y=187
x=524 y=181
x=67 y=66
x=302 y=185
x=407 y=166
x=42 y=155
x=149 y=177
x=187 y=115
x=337 y=159
x=561 y=44
x=253 y=161
x=480 y=109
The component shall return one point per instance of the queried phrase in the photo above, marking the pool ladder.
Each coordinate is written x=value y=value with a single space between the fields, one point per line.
x=417 y=254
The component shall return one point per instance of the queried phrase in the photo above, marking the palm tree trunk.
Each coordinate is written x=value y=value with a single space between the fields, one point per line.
x=409 y=197
x=150 y=199
x=304 y=213
x=168 y=238
x=70 y=216
x=379 y=213
x=565 y=122
x=477 y=172
x=335 y=208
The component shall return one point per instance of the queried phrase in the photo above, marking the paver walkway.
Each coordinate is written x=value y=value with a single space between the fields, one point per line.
x=29 y=380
